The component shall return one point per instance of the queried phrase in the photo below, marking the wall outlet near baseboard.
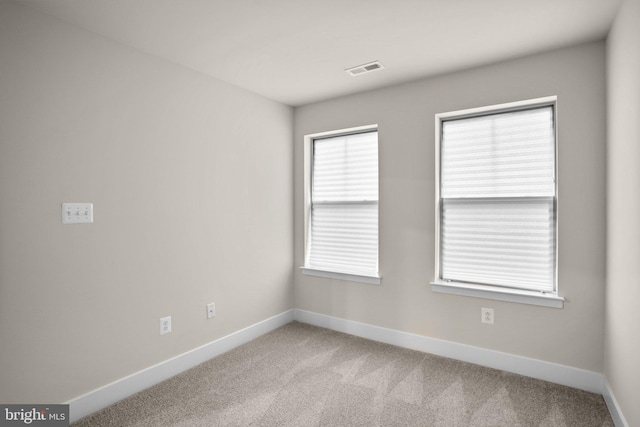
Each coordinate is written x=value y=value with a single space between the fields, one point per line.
x=487 y=315
x=211 y=310
x=165 y=325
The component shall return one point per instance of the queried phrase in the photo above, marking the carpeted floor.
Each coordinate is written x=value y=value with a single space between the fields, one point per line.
x=301 y=375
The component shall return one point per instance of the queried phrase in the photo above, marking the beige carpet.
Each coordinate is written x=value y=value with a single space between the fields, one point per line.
x=301 y=375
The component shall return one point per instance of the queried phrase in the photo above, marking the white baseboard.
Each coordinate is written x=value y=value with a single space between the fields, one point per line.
x=612 y=405
x=552 y=372
x=104 y=396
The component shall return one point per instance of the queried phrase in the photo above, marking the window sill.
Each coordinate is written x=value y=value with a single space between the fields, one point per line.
x=500 y=294
x=375 y=280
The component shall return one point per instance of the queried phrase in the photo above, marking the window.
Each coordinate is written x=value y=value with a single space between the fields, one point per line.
x=341 y=212
x=496 y=202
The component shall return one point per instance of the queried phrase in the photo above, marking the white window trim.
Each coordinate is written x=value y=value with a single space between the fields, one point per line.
x=487 y=291
x=340 y=275
x=498 y=294
x=308 y=149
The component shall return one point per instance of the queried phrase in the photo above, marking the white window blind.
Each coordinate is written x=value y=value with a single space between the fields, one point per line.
x=343 y=230
x=497 y=190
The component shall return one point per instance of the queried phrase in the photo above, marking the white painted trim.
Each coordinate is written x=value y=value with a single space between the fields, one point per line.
x=104 y=396
x=308 y=169
x=498 y=293
x=612 y=404
x=438 y=283
x=500 y=108
x=374 y=280
x=547 y=371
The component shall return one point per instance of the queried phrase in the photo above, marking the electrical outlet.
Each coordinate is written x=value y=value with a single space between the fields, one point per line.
x=487 y=315
x=211 y=310
x=165 y=325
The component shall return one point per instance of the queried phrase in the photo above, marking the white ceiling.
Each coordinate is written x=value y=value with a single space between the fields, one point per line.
x=295 y=51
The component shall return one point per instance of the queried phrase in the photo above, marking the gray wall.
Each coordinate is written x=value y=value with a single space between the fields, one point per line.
x=191 y=184
x=191 y=181
x=405 y=114
x=622 y=345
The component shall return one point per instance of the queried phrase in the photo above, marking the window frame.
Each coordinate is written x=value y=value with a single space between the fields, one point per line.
x=309 y=141
x=495 y=292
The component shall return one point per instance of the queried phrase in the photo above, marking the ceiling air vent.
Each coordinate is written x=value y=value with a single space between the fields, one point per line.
x=365 y=68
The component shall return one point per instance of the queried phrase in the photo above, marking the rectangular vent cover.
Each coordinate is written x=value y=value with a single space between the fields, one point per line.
x=365 y=68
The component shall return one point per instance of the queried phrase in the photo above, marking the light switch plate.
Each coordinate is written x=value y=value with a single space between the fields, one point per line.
x=77 y=213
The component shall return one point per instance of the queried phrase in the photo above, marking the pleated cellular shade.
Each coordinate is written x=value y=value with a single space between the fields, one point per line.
x=500 y=155
x=499 y=242
x=343 y=234
x=498 y=200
